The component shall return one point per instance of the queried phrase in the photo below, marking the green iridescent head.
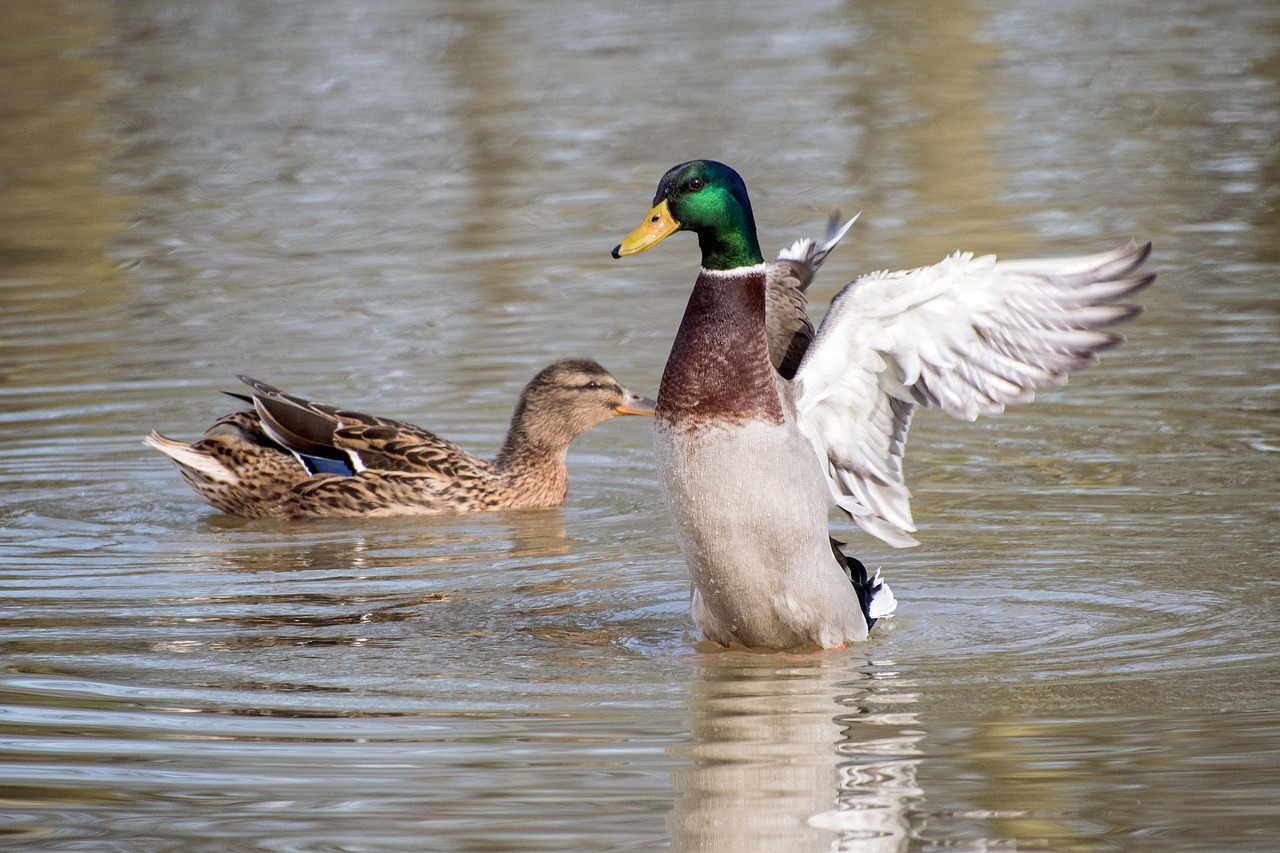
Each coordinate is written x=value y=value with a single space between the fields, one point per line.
x=709 y=199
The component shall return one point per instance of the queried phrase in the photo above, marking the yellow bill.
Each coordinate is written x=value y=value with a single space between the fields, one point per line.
x=656 y=226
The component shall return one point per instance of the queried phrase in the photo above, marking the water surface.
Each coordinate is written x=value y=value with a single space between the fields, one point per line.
x=408 y=208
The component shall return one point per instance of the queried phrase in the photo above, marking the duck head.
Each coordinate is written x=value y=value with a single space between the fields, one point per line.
x=709 y=199
x=565 y=400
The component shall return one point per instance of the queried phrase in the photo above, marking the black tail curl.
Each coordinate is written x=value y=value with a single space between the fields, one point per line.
x=857 y=574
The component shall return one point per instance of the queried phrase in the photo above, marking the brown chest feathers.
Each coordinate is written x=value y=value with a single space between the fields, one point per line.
x=719 y=369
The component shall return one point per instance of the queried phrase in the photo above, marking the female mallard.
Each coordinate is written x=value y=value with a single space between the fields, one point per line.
x=735 y=437
x=293 y=458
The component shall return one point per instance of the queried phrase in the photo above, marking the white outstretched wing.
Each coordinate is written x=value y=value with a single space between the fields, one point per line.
x=967 y=335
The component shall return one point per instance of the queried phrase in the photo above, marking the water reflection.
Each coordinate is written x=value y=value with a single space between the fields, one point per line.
x=57 y=217
x=777 y=765
x=480 y=63
x=929 y=148
x=326 y=583
x=823 y=753
x=353 y=547
x=881 y=747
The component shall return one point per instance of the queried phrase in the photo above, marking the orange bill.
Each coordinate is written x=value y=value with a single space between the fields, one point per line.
x=635 y=405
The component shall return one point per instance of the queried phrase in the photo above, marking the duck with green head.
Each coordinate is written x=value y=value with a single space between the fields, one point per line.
x=754 y=447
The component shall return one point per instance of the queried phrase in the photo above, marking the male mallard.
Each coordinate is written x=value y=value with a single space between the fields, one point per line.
x=293 y=458
x=735 y=437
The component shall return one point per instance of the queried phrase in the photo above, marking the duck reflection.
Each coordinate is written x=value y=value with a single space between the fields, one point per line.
x=331 y=582
x=339 y=544
x=787 y=749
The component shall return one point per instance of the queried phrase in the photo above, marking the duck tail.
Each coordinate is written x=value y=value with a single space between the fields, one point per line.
x=883 y=603
x=191 y=459
x=875 y=596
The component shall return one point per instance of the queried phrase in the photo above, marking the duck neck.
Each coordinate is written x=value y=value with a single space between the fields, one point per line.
x=726 y=249
x=531 y=462
x=719 y=368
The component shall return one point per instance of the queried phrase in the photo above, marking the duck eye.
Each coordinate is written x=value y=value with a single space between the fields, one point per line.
x=696 y=184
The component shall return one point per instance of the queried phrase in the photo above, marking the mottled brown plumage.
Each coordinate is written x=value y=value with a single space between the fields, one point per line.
x=291 y=457
x=787 y=322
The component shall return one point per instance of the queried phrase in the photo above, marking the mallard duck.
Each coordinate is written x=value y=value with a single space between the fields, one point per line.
x=750 y=459
x=292 y=458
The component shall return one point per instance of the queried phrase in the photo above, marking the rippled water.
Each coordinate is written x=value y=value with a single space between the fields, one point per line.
x=408 y=208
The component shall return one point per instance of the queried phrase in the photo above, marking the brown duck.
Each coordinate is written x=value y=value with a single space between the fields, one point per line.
x=290 y=457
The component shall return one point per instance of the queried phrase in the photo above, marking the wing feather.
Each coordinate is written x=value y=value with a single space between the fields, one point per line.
x=365 y=442
x=968 y=335
x=787 y=323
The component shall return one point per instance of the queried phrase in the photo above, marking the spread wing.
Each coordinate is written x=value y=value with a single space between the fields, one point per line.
x=967 y=335
x=787 y=322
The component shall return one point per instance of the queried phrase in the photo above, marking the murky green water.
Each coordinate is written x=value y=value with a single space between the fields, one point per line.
x=408 y=207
